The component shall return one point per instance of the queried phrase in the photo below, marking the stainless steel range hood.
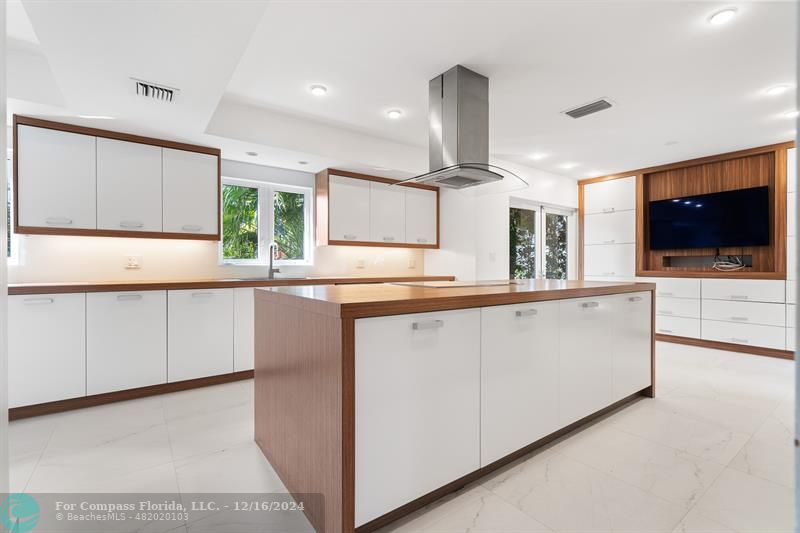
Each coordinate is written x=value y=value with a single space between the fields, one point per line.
x=458 y=138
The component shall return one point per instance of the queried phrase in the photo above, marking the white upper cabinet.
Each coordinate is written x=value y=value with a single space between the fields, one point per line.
x=613 y=260
x=349 y=209
x=421 y=207
x=387 y=219
x=190 y=192
x=610 y=196
x=56 y=179
x=128 y=186
x=610 y=228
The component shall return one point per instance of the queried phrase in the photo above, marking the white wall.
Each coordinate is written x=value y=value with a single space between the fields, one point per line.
x=474 y=229
x=3 y=280
x=46 y=258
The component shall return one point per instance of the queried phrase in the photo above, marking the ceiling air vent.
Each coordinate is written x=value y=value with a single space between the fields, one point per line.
x=588 y=109
x=154 y=91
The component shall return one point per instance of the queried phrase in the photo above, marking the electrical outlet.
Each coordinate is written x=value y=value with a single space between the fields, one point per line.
x=412 y=263
x=360 y=263
x=133 y=262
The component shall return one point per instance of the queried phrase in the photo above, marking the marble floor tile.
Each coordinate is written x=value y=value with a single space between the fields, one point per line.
x=746 y=503
x=769 y=453
x=202 y=434
x=697 y=522
x=207 y=400
x=242 y=469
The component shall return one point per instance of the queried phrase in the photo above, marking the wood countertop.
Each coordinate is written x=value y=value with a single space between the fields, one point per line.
x=113 y=286
x=359 y=301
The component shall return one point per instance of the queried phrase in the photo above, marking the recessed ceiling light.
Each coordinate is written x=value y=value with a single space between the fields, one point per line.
x=722 y=17
x=567 y=166
x=792 y=114
x=394 y=114
x=96 y=117
x=318 y=90
x=252 y=154
x=777 y=90
x=302 y=162
x=538 y=156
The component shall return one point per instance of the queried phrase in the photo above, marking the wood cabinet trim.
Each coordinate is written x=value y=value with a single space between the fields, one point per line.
x=20 y=120
x=717 y=345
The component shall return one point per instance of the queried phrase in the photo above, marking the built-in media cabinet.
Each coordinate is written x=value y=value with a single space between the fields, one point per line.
x=748 y=310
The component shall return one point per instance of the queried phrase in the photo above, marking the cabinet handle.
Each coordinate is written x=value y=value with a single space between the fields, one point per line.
x=590 y=305
x=388 y=239
x=662 y=330
x=608 y=210
x=128 y=297
x=666 y=312
x=38 y=301
x=662 y=293
x=350 y=237
x=422 y=240
x=740 y=341
x=527 y=312
x=740 y=318
x=428 y=324
x=739 y=297
x=130 y=224
x=58 y=221
x=191 y=227
x=609 y=273
x=202 y=295
x=612 y=241
x=635 y=299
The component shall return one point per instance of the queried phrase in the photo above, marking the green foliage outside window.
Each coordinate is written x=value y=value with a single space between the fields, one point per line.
x=555 y=249
x=522 y=239
x=239 y=222
x=289 y=224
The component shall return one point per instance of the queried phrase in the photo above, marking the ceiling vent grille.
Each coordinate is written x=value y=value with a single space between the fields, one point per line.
x=588 y=109
x=155 y=91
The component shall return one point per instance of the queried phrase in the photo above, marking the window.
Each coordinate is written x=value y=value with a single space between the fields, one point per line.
x=539 y=241
x=255 y=214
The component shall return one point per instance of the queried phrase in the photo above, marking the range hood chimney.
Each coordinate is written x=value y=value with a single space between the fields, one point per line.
x=458 y=138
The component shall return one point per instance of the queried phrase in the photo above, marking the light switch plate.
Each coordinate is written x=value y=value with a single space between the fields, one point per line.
x=133 y=262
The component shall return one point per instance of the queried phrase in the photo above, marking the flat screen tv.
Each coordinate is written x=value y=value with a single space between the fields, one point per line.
x=730 y=218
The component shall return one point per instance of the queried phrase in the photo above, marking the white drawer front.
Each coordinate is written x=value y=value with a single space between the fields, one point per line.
x=751 y=290
x=791 y=292
x=745 y=312
x=610 y=228
x=747 y=334
x=609 y=196
x=791 y=339
x=791 y=214
x=678 y=326
x=685 y=307
x=675 y=287
x=610 y=260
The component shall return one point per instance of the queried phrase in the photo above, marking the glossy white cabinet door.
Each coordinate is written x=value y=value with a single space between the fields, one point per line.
x=243 y=328
x=128 y=186
x=190 y=192
x=46 y=348
x=585 y=360
x=610 y=260
x=519 y=376
x=609 y=196
x=200 y=333
x=632 y=343
x=747 y=334
x=752 y=290
x=387 y=207
x=618 y=227
x=791 y=214
x=57 y=179
x=417 y=398
x=349 y=208
x=421 y=215
x=126 y=340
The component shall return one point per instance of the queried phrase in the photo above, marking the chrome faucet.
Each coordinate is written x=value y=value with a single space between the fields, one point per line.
x=273 y=249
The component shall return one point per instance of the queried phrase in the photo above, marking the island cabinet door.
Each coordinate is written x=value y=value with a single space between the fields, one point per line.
x=585 y=358
x=632 y=343
x=417 y=405
x=519 y=376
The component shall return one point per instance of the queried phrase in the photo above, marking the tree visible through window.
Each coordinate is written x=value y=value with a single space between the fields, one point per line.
x=239 y=222
x=538 y=243
x=555 y=248
x=522 y=239
x=289 y=224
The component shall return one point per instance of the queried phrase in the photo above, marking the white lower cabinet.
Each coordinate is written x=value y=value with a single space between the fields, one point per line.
x=766 y=314
x=126 y=340
x=46 y=348
x=748 y=334
x=683 y=307
x=585 y=359
x=417 y=406
x=200 y=333
x=631 y=360
x=678 y=326
x=243 y=328
x=519 y=375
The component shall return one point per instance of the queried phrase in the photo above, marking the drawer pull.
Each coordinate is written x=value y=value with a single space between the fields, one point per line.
x=740 y=341
x=428 y=324
x=739 y=297
x=635 y=299
x=662 y=293
x=527 y=312
x=609 y=273
x=662 y=330
x=739 y=318
x=128 y=297
x=350 y=237
x=612 y=241
x=191 y=227
x=58 y=221
x=202 y=295
x=130 y=224
x=590 y=305
x=388 y=239
x=666 y=312
x=609 y=209
x=422 y=240
x=38 y=301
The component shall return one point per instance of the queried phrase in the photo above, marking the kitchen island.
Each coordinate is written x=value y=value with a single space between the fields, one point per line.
x=386 y=397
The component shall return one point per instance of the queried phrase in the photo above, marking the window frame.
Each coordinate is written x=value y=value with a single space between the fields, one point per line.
x=542 y=210
x=13 y=239
x=266 y=222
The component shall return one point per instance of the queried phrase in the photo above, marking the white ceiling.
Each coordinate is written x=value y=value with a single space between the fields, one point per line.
x=681 y=87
